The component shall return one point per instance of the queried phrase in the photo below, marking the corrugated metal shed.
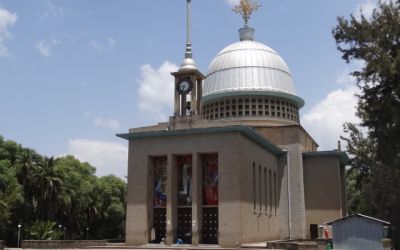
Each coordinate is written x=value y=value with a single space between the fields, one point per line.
x=357 y=232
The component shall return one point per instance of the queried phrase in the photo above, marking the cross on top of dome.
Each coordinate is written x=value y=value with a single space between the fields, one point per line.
x=246 y=9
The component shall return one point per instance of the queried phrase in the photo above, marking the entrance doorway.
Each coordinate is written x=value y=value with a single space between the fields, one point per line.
x=210 y=199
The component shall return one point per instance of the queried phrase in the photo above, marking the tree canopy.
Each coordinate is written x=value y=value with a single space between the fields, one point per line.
x=376 y=43
x=57 y=197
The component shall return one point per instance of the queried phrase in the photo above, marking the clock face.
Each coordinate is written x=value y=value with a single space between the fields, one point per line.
x=184 y=86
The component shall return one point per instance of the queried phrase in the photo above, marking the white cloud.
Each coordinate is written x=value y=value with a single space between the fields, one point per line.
x=366 y=8
x=107 y=157
x=7 y=19
x=156 y=90
x=55 y=41
x=345 y=78
x=111 y=42
x=325 y=120
x=232 y=3
x=106 y=122
x=53 y=10
x=102 y=46
x=96 y=46
x=44 y=48
x=73 y=39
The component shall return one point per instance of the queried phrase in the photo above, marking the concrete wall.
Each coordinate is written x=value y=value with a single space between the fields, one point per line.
x=238 y=223
x=283 y=212
x=324 y=190
x=139 y=193
x=287 y=135
x=293 y=192
x=55 y=244
x=259 y=223
x=137 y=216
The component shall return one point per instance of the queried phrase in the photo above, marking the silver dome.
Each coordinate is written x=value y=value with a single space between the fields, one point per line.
x=249 y=68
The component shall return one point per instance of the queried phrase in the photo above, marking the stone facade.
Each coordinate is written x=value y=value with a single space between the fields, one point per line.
x=266 y=191
x=236 y=156
x=324 y=187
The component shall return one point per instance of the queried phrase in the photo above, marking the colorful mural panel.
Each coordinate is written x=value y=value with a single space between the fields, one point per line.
x=184 y=174
x=160 y=181
x=210 y=179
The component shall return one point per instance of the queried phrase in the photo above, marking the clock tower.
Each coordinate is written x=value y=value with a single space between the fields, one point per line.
x=188 y=81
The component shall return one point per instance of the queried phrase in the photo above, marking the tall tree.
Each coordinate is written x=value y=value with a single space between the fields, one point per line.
x=112 y=192
x=47 y=185
x=78 y=187
x=375 y=41
x=10 y=195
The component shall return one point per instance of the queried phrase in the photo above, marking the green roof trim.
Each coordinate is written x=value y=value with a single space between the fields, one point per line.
x=342 y=156
x=211 y=97
x=244 y=130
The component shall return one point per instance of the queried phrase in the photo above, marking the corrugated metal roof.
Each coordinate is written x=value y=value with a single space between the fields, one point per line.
x=248 y=66
x=357 y=215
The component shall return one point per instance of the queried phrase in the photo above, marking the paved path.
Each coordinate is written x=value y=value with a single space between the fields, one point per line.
x=127 y=248
x=247 y=246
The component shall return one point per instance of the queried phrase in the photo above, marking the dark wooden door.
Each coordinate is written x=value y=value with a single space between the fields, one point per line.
x=184 y=231
x=160 y=219
x=210 y=225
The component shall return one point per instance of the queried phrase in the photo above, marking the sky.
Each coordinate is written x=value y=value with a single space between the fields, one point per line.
x=75 y=73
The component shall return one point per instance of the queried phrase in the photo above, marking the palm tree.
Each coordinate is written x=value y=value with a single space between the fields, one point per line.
x=26 y=162
x=47 y=187
x=44 y=230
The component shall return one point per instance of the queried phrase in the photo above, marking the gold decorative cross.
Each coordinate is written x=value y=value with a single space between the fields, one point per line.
x=246 y=8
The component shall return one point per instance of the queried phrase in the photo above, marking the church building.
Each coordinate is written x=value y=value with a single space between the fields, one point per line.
x=233 y=164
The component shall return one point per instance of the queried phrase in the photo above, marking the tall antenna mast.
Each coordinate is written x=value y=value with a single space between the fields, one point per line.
x=188 y=53
x=188 y=63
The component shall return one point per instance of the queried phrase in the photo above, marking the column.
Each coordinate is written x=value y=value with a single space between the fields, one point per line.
x=177 y=100
x=171 y=200
x=193 y=94
x=196 y=198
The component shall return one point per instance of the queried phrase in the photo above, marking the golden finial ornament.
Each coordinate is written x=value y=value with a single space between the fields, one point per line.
x=246 y=8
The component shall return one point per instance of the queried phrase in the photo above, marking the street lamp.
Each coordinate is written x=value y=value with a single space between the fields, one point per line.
x=87 y=233
x=19 y=234
x=59 y=230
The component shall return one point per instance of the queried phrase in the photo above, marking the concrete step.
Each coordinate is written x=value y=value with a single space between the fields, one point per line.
x=258 y=245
